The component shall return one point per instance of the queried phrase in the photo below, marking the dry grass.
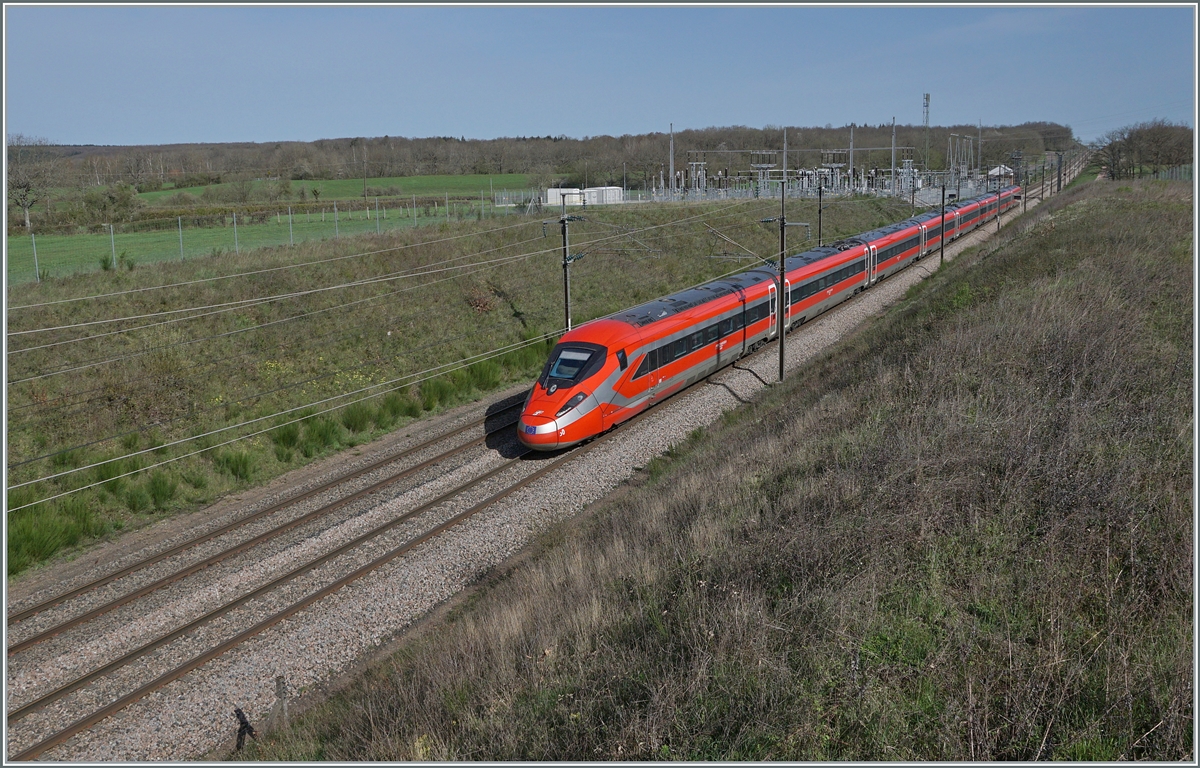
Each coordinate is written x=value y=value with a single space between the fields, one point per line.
x=964 y=534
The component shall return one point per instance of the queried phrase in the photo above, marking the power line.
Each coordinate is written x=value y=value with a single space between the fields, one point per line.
x=408 y=381
x=242 y=399
x=414 y=272
x=243 y=303
x=94 y=364
x=277 y=269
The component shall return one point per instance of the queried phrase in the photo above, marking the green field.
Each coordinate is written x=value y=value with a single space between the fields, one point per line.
x=148 y=241
x=62 y=255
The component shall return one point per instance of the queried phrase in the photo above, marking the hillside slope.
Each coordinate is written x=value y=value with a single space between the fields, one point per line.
x=964 y=533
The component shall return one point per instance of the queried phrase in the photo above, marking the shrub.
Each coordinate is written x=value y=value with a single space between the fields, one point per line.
x=286 y=436
x=30 y=539
x=108 y=474
x=196 y=479
x=485 y=375
x=357 y=417
x=136 y=498
x=239 y=463
x=435 y=392
x=68 y=459
x=319 y=433
x=162 y=487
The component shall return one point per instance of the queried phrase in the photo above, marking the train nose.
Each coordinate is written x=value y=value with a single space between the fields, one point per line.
x=537 y=432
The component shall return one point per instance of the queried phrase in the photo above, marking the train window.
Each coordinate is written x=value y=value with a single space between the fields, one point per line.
x=710 y=333
x=643 y=367
x=622 y=359
x=569 y=363
x=572 y=362
x=682 y=347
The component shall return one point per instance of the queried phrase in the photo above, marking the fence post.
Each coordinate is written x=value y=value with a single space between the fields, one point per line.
x=335 y=222
x=113 y=239
x=180 y=237
x=291 y=240
x=36 y=272
x=414 y=209
x=236 y=248
x=447 y=206
x=377 y=215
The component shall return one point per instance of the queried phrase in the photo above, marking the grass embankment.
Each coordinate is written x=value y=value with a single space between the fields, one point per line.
x=96 y=406
x=963 y=534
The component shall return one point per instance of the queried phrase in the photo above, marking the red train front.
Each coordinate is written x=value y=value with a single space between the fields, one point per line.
x=566 y=403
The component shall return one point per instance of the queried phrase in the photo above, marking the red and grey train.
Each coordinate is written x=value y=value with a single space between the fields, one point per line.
x=608 y=370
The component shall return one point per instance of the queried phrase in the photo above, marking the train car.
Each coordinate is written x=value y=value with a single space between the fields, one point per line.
x=607 y=371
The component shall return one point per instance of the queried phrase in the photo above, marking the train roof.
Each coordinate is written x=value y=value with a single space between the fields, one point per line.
x=682 y=301
x=651 y=311
x=875 y=234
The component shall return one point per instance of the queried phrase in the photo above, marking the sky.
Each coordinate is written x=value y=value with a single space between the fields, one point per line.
x=136 y=74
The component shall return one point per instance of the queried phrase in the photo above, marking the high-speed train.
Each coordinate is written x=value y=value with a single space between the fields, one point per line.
x=608 y=370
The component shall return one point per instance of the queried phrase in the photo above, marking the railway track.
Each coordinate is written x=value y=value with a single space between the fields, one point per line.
x=277 y=530
x=393 y=468
x=405 y=546
x=287 y=591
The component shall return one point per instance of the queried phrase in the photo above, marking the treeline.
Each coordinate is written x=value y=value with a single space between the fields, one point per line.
x=1145 y=149
x=40 y=170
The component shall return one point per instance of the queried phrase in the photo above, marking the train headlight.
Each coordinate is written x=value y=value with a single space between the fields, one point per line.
x=574 y=401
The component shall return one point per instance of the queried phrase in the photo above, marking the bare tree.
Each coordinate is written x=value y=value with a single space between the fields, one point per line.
x=32 y=171
x=1112 y=152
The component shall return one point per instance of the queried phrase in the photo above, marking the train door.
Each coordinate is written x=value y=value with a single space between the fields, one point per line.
x=787 y=303
x=771 y=309
x=924 y=241
x=657 y=377
x=872 y=264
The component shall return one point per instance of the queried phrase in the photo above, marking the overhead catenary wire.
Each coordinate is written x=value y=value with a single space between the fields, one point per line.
x=407 y=380
x=244 y=303
x=152 y=426
x=503 y=260
x=189 y=342
x=241 y=399
x=205 y=364
x=362 y=254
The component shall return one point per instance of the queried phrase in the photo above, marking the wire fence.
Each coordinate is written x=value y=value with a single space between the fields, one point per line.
x=123 y=245
x=1178 y=173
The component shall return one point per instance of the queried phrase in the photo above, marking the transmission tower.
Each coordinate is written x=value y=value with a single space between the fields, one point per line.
x=927 y=131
